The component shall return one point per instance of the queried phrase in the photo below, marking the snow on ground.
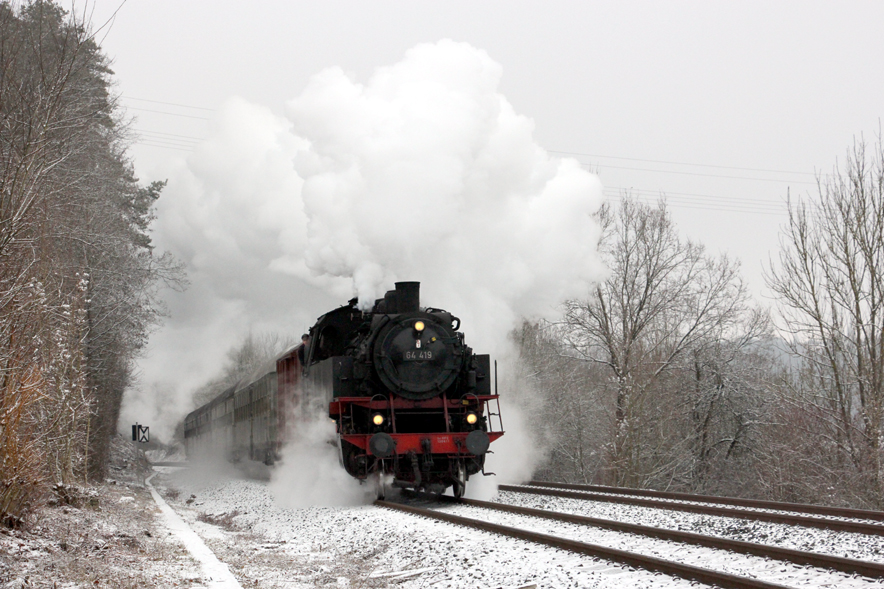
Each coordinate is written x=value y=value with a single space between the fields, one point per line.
x=772 y=571
x=113 y=535
x=846 y=544
x=106 y=536
x=216 y=573
x=366 y=546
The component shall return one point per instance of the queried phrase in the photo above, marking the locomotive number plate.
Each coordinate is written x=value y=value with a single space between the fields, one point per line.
x=412 y=355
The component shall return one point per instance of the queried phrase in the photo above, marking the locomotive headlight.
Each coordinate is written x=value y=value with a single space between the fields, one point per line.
x=419 y=326
x=472 y=418
x=377 y=419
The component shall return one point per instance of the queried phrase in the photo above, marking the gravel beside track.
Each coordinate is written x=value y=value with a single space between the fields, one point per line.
x=844 y=512
x=844 y=525
x=848 y=565
x=835 y=543
x=703 y=564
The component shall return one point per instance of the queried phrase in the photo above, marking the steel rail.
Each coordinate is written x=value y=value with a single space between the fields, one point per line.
x=756 y=503
x=846 y=565
x=780 y=518
x=649 y=563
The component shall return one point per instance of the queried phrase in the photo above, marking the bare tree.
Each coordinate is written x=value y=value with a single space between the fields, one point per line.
x=255 y=351
x=830 y=281
x=44 y=66
x=727 y=384
x=664 y=300
x=572 y=413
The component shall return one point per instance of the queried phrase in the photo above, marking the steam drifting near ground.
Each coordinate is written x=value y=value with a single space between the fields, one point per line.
x=310 y=474
x=424 y=172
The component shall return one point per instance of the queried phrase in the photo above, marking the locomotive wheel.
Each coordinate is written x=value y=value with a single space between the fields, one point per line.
x=460 y=479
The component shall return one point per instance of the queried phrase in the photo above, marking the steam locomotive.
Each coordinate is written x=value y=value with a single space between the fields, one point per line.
x=410 y=400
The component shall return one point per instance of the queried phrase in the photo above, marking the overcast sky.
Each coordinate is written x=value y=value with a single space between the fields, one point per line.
x=723 y=107
x=781 y=86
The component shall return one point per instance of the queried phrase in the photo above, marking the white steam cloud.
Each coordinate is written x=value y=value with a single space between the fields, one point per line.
x=310 y=473
x=425 y=172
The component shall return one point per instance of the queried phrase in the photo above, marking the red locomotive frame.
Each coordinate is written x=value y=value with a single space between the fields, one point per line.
x=448 y=442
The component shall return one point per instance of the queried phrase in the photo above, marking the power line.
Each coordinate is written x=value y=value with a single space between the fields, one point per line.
x=707 y=207
x=676 y=200
x=708 y=200
x=168 y=103
x=666 y=193
x=645 y=196
x=149 y=144
x=634 y=159
x=735 y=207
x=680 y=199
x=589 y=167
x=195 y=139
x=687 y=204
x=170 y=140
x=168 y=113
x=160 y=143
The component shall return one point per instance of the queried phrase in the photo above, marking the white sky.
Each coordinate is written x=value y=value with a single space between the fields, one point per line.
x=764 y=85
x=722 y=106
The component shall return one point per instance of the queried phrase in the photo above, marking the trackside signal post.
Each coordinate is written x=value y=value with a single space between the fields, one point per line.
x=140 y=433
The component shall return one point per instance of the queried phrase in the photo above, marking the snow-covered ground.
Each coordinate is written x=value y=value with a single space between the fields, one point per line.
x=105 y=536
x=216 y=572
x=771 y=571
x=117 y=536
x=367 y=546
x=846 y=544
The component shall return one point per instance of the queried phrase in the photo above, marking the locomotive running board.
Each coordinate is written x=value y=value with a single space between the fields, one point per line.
x=442 y=443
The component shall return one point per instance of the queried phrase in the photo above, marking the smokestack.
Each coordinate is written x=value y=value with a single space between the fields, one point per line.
x=408 y=296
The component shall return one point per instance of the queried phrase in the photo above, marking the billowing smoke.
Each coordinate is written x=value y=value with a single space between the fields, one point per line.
x=424 y=172
x=228 y=213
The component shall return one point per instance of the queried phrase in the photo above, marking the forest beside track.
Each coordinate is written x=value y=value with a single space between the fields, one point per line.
x=79 y=272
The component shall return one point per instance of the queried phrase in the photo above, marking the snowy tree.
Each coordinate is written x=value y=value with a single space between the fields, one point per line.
x=254 y=352
x=830 y=283
x=572 y=408
x=78 y=275
x=664 y=305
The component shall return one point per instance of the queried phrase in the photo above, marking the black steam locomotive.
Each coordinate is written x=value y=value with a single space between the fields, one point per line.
x=409 y=398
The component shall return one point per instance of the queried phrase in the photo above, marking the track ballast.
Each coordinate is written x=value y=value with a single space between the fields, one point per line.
x=870 y=570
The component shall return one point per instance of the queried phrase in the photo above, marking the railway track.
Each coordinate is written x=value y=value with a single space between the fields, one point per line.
x=753 y=503
x=651 y=563
x=705 y=507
